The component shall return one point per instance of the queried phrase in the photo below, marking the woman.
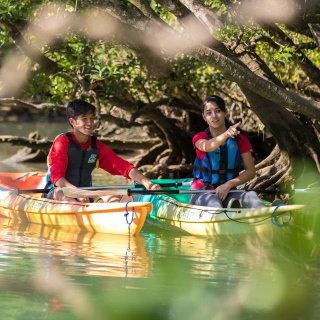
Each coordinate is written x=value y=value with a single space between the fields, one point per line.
x=221 y=152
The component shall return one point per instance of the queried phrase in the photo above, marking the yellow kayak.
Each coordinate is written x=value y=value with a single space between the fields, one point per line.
x=115 y=218
x=173 y=212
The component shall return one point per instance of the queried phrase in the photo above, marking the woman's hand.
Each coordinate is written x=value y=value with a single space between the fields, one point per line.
x=232 y=131
x=222 y=191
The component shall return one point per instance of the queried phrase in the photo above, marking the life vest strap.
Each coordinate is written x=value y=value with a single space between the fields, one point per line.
x=224 y=171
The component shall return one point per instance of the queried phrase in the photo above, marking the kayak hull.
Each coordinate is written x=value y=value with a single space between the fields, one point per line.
x=115 y=218
x=171 y=214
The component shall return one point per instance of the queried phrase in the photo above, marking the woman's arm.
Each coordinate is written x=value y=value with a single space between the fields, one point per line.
x=214 y=143
x=247 y=174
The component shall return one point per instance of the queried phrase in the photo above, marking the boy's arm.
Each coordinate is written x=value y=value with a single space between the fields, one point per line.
x=63 y=182
x=112 y=163
x=137 y=176
x=58 y=158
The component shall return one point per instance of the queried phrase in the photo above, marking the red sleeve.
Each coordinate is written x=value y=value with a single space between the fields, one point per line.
x=111 y=162
x=196 y=137
x=244 y=144
x=58 y=158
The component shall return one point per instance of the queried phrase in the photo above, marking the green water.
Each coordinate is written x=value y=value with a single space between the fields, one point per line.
x=49 y=273
x=164 y=277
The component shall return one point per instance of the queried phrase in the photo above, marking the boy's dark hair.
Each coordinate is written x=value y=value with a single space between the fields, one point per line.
x=77 y=107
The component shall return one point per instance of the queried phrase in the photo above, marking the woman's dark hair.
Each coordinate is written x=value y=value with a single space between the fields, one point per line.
x=222 y=106
x=78 y=107
x=216 y=99
x=219 y=102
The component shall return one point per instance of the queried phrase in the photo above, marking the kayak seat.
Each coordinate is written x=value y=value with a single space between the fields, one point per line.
x=233 y=203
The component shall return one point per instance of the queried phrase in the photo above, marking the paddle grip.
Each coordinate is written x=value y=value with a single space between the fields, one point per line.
x=165 y=185
x=21 y=191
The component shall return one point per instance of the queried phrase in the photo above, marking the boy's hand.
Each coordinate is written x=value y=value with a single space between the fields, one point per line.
x=154 y=186
x=86 y=200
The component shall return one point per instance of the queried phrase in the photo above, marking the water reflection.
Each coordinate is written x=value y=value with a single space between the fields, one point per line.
x=81 y=275
x=107 y=255
x=80 y=252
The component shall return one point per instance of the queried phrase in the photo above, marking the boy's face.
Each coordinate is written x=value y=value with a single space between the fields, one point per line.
x=84 y=123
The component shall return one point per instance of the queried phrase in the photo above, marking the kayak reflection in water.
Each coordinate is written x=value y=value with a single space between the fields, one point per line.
x=222 y=151
x=74 y=155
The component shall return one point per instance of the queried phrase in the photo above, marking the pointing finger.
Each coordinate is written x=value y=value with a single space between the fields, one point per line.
x=237 y=124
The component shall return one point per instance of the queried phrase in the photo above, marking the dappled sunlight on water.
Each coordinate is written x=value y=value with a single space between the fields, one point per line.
x=51 y=273
x=84 y=275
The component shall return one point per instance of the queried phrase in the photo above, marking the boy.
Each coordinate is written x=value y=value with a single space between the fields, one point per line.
x=74 y=155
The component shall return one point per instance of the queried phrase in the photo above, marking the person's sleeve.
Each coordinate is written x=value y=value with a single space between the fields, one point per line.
x=196 y=137
x=58 y=158
x=244 y=144
x=111 y=162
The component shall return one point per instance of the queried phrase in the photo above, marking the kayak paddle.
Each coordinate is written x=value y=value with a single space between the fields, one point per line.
x=81 y=193
x=5 y=192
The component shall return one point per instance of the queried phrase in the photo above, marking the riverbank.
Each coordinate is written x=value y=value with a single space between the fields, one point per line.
x=23 y=114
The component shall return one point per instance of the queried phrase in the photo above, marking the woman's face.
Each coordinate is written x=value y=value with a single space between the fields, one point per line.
x=213 y=115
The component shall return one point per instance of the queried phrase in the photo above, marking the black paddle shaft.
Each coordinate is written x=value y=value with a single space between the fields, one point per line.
x=131 y=191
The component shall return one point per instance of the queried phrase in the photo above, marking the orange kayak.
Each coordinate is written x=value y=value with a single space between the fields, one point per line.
x=115 y=218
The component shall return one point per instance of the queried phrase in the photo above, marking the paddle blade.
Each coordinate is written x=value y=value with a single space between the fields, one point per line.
x=81 y=193
x=5 y=193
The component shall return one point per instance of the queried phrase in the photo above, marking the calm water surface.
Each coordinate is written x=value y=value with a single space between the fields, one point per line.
x=51 y=273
